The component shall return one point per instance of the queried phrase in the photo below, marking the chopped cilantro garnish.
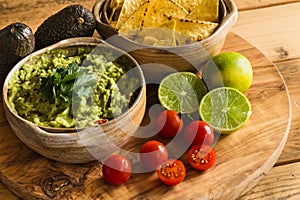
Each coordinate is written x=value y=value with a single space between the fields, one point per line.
x=71 y=81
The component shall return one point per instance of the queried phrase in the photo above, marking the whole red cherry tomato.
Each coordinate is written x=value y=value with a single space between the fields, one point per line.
x=152 y=154
x=199 y=133
x=171 y=172
x=201 y=157
x=116 y=169
x=169 y=123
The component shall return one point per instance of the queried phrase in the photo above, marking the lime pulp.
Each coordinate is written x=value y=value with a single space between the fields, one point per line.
x=181 y=91
x=226 y=109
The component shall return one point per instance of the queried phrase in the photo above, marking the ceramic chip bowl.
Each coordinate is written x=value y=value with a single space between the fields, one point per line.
x=80 y=145
x=180 y=58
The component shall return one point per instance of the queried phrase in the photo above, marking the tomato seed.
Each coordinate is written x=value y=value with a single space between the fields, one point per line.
x=197 y=156
x=172 y=169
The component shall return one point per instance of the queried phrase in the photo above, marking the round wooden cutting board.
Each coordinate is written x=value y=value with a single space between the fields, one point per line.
x=243 y=157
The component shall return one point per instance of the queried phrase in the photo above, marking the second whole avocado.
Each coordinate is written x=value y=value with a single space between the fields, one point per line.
x=72 y=21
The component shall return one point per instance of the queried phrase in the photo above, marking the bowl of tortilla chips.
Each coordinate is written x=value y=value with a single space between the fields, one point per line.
x=166 y=35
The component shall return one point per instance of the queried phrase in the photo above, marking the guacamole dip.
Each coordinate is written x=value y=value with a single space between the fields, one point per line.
x=57 y=90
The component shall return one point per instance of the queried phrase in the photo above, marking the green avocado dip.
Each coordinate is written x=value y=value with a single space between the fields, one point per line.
x=62 y=91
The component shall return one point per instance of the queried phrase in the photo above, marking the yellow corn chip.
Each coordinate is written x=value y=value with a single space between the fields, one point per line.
x=160 y=12
x=167 y=22
x=128 y=9
x=135 y=20
x=194 y=30
x=202 y=10
x=164 y=35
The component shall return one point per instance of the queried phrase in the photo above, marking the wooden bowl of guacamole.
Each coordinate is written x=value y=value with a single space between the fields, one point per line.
x=76 y=101
x=164 y=35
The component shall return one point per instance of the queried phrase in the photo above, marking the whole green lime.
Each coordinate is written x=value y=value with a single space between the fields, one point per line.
x=228 y=69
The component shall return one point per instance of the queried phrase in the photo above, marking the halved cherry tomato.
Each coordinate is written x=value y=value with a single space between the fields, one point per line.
x=171 y=172
x=201 y=157
x=199 y=133
x=152 y=154
x=168 y=123
x=116 y=169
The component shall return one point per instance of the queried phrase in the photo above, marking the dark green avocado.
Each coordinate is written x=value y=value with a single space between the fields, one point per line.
x=16 y=41
x=72 y=21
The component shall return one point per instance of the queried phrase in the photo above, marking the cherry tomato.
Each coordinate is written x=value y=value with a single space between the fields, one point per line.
x=152 y=154
x=168 y=123
x=201 y=157
x=199 y=133
x=171 y=172
x=116 y=170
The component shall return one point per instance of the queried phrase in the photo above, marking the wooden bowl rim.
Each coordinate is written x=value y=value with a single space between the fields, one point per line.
x=71 y=42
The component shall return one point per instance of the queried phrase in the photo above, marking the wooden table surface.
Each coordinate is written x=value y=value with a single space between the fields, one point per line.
x=273 y=26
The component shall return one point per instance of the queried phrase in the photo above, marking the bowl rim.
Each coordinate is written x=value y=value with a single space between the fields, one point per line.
x=72 y=42
x=230 y=18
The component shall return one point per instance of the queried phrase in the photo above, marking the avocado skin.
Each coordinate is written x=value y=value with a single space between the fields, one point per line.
x=65 y=24
x=16 y=41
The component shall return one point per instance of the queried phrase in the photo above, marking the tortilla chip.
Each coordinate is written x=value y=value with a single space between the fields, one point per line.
x=169 y=25
x=188 y=5
x=168 y=22
x=160 y=12
x=202 y=10
x=128 y=9
x=187 y=30
x=158 y=43
x=164 y=35
x=135 y=20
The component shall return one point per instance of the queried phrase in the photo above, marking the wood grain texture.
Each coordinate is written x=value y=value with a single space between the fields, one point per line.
x=282 y=182
x=282 y=46
x=273 y=30
x=31 y=176
x=255 y=4
x=276 y=34
x=290 y=71
x=2 y=114
x=7 y=194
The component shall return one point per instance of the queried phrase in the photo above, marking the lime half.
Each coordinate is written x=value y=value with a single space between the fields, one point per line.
x=181 y=91
x=226 y=109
